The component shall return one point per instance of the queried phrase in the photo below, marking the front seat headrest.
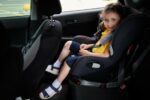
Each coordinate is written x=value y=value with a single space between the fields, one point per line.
x=49 y=7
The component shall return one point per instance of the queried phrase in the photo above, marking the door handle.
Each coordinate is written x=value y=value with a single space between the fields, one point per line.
x=73 y=21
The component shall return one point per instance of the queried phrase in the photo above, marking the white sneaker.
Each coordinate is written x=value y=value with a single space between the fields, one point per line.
x=52 y=70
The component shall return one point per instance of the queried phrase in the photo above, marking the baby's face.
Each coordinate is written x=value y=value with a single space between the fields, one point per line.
x=110 y=20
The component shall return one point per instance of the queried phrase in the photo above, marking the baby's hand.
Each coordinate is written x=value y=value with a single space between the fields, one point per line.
x=83 y=52
x=83 y=46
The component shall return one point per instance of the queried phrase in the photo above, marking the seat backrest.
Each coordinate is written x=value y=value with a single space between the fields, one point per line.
x=139 y=69
x=43 y=48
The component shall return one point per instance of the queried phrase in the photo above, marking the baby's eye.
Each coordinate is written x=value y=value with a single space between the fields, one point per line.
x=113 y=19
x=106 y=20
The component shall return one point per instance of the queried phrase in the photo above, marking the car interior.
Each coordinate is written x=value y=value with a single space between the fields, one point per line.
x=36 y=41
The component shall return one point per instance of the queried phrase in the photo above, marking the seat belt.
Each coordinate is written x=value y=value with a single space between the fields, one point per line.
x=104 y=40
x=38 y=32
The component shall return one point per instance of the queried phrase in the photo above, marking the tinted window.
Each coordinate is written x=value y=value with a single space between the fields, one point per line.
x=14 y=8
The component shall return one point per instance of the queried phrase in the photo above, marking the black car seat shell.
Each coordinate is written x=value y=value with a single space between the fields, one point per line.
x=127 y=32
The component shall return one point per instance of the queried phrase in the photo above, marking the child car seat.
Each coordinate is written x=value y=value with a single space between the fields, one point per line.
x=93 y=72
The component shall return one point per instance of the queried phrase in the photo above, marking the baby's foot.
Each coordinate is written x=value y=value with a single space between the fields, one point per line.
x=53 y=70
x=49 y=92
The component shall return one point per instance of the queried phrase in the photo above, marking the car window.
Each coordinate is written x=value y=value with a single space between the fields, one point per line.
x=14 y=8
x=70 y=5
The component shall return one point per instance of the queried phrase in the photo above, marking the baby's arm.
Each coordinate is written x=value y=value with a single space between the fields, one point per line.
x=86 y=46
x=83 y=52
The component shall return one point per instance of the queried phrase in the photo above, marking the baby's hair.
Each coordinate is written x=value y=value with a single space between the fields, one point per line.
x=115 y=7
x=118 y=8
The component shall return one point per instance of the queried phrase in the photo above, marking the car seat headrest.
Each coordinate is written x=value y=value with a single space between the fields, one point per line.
x=121 y=1
x=49 y=7
x=129 y=30
x=138 y=4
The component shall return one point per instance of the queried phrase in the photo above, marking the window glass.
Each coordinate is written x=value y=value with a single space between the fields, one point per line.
x=70 y=5
x=14 y=8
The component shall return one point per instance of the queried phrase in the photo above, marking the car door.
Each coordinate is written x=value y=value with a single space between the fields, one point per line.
x=18 y=27
x=78 y=23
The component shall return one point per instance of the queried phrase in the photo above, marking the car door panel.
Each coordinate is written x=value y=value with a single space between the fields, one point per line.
x=79 y=22
x=74 y=23
x=17 y=28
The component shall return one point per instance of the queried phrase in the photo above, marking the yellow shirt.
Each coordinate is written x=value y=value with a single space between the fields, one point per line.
x=103 y=48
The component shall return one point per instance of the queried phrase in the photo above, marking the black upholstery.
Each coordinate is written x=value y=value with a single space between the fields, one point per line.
x=10 y=66
x=49 y=43
x=5 y=45
x=139 y=84
x=84 y=39
x=121 y=1
x=140 y=5
x=137 y=4
x=49 y=7
x=42 y=49
x=5 y=42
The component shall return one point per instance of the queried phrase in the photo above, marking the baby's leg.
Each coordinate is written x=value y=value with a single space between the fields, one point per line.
x=54 y=68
